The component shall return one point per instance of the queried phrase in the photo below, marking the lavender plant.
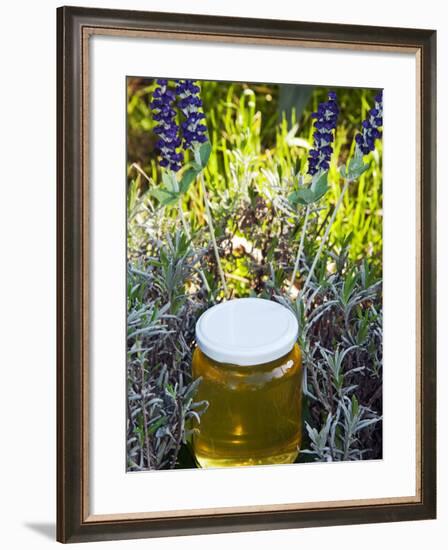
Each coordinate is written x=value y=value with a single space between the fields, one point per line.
x=162 y=412
x=318 y=163
x=189 y=102
x=195 y=134
x=337 y=439
x=192 y=135
x=326 y=119
x=370 y=126
x=341 y=342
x=167 y=129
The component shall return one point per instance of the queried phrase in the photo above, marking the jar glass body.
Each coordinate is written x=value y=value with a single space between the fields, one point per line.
x=254 y=413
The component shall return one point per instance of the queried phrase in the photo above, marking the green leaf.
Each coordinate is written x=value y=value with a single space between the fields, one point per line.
x=349 y=284
x=170 y=390
x=355 y=405
x=164 y=196
x=156 y=425
x=356 y=166
x=187 y=179
x=170 y=182
x=301 y=196
x=204 y=153
x=308 y=195
x=319 y=185
x=347 y=240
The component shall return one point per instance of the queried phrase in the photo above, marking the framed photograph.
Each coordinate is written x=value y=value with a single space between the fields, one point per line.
x=246 y=274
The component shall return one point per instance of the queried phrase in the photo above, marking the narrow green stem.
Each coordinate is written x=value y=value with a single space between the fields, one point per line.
x=299 y=252
x=182 y=218
x=325 y=237
x=188 y=234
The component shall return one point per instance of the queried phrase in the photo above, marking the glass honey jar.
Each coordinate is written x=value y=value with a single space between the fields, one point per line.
x=251 y=369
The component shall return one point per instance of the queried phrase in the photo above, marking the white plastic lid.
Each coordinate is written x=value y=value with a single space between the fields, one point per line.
x=246 y=331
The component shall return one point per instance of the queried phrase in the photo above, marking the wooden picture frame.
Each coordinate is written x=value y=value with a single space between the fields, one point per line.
x=74 y=27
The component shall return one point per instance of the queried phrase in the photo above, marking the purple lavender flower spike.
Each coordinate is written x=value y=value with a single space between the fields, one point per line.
x=189 y=103
x=326 y=119
x=162 y=106
x=370 y=126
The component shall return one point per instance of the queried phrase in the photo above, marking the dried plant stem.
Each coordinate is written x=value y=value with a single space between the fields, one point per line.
x=212 y=233
x=299 y=252
x=147 y=178
x=325 y=237
x=318 y=391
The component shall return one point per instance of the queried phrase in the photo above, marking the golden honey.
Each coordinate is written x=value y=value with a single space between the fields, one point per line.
x=254 y=413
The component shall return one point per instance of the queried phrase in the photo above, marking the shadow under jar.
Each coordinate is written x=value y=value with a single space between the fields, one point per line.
x=250 y=364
